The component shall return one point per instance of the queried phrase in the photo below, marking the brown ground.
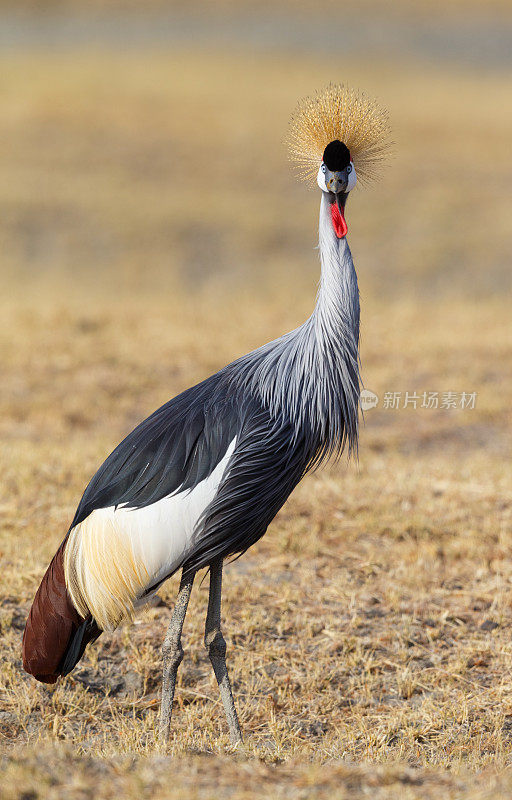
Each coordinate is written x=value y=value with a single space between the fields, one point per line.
x=369 y=631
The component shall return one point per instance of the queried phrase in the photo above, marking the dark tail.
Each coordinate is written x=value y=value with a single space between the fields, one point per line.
x=55 y=635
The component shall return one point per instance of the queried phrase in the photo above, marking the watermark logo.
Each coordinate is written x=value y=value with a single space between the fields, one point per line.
x=461 y=401
x=368 y=399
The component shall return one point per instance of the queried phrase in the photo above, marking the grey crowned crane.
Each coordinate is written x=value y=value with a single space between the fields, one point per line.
x=201 y=479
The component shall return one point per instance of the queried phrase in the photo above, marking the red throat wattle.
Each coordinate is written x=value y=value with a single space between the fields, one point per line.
x=338 y=221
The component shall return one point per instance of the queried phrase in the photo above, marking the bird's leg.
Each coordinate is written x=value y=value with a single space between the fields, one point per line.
x=172 y=652
x=216 y=646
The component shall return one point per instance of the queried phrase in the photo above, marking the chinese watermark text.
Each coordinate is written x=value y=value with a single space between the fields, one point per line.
x=417 y=400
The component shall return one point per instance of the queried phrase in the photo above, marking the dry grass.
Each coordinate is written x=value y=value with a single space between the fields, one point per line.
x=368 y=632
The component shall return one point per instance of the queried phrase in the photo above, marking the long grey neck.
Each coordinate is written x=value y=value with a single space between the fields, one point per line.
x=311 y=375
x=336 y=315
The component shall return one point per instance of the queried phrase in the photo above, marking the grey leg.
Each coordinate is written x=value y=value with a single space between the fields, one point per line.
x=172 y=652
x=216 y=646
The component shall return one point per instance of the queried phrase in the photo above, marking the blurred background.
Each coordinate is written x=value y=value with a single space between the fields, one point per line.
x=148 y=208
x=147 y=204
x=110 y=111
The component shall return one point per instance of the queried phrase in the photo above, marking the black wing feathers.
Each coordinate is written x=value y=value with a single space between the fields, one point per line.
x=179 y=445
x=182 y=443
x=267 y=464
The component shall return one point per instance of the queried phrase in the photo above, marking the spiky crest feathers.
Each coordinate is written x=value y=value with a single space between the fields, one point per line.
x=339 y=113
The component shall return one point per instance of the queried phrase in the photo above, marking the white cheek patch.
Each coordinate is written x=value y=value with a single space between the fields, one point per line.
x=320 y=179
x=352 y=179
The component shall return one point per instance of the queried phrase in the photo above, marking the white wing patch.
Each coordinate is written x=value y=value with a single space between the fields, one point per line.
x=115 y=554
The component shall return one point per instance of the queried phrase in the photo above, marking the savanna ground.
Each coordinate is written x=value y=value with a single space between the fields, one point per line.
x=151 y=231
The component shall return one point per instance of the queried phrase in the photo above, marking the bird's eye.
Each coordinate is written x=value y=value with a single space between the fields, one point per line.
x=349 y=169
x=323 y=167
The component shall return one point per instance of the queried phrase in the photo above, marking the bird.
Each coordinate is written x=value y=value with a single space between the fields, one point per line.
x=200 y=480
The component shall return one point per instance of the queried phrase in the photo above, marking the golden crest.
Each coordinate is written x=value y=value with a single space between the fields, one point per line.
x=338 y=112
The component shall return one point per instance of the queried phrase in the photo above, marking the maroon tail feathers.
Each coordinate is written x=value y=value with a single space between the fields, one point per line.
x=55 y=635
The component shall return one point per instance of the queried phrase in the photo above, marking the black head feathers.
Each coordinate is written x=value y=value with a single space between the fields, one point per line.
x=336 y=156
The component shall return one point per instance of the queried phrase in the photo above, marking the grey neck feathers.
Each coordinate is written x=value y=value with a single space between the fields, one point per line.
x=311 y=375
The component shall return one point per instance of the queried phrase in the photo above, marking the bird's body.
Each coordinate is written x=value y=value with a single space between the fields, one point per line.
x=205 y=474
x=201 y=478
